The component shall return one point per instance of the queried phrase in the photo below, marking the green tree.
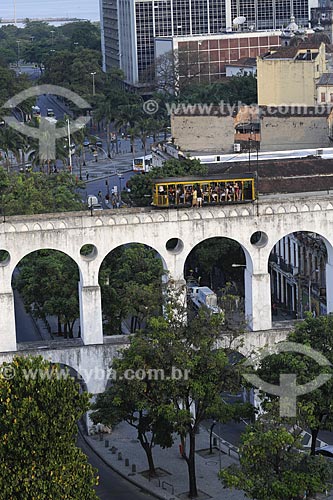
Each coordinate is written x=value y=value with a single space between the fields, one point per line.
x=47 y=281
x=35 y=193
x=216 y=254
x=108 y=109
x=272 y=466
x=206 y=373
x=168 y=343
x=39 y=410
x=11 y=143
x=131 y=285
x=232 y=90
x=127 y=399
x=315 y=409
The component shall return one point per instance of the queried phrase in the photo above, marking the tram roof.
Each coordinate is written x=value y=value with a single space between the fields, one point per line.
x=205 y=177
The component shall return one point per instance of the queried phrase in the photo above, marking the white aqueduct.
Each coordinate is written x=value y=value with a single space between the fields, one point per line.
x=274 y=217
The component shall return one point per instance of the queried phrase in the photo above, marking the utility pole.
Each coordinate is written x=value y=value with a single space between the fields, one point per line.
x=69 y=146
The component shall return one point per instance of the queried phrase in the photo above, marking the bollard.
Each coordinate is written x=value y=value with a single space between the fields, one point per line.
x=106 y=443
x=134 y=468
x=214 y=442
x=126 y=462
x=120 y=456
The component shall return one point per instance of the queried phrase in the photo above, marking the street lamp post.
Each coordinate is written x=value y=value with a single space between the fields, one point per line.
x=18 y=53
x=52 y=34
x=69 y=146
x=120 y=177
x=310 y=287
x=302 y=280
x=93 y=82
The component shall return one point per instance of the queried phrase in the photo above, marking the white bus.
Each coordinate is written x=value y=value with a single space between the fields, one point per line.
x=142 y=163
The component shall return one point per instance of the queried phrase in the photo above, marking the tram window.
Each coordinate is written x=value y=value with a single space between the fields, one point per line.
x=172 y=193
x=247 y=190
x=205 y=192
x=180 y=194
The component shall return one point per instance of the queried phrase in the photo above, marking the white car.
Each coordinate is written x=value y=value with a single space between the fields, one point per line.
x=326 y=451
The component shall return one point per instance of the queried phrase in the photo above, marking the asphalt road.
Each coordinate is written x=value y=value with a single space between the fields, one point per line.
x=26 y=330
x=111 y=485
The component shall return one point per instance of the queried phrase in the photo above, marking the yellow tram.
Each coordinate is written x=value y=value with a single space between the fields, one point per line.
x=198 y=191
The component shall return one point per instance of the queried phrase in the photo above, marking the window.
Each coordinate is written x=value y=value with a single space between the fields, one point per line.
x=331 y=97
x=322 y=97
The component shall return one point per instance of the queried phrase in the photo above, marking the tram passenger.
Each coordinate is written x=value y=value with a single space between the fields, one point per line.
x=199 y=197
x=194 y=197
x=231 y=192
x=188 y=195
x=236 y=190
x=213 y=194
x=172 y=195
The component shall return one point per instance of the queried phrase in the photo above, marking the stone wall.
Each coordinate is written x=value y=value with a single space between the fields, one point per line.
x=203 y=133
x=294 y=132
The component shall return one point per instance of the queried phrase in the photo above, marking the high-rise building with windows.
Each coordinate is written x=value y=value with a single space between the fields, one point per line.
x=130 y=26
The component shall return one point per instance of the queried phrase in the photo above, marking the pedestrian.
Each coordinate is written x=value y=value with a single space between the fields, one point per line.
x=87 y=175
x=99 y=196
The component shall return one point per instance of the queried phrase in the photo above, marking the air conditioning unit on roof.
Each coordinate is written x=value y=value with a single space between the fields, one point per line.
x=237 y=147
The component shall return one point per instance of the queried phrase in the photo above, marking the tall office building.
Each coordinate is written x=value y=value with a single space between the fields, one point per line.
x=130 y=26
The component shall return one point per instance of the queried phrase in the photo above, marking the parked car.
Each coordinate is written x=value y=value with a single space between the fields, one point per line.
x=326 y=451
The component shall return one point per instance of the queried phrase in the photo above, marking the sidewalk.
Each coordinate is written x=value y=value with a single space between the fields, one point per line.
x=172 y=482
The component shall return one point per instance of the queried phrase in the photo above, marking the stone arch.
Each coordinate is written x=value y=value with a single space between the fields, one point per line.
x=236 y=274
x=106 y=279
x=27 y=327
x=293 y=274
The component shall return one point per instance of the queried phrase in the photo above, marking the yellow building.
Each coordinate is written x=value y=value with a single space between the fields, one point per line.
x=289 y=75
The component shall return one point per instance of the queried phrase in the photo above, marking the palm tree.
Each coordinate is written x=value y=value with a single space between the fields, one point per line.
x=108 y=110
x=11 y=142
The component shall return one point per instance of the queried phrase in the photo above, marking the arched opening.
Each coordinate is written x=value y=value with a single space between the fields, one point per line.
x=297 y=266
x=131 y=281
x=214 y=273
x=45 y=284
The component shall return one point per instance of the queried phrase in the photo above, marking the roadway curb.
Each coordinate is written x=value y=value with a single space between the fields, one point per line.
x=124 y=476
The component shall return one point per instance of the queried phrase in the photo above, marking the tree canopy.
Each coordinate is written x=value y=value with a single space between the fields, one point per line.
x=131 y=286
x=47 y=281
x=35 y=192
x=39 y=410
x=272 y=466
x=178 y=377
x=315 y=408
